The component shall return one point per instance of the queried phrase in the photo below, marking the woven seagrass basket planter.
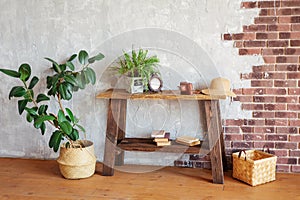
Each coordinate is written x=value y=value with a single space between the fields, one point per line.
x=77 y=163
x=254 y=167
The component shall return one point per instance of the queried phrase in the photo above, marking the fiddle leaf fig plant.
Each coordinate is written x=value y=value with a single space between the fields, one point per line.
x=61 y=85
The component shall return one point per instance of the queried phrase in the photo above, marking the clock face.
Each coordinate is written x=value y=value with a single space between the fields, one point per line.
x=155 y=84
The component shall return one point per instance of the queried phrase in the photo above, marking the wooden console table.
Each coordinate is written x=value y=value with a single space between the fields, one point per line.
x=116 y=130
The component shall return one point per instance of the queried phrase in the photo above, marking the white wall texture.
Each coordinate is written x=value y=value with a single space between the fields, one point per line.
x=185 y=35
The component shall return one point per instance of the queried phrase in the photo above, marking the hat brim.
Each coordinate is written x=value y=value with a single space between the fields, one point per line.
x=218 y=92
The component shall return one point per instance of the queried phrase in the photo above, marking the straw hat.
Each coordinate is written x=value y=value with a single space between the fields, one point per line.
x=219 y=86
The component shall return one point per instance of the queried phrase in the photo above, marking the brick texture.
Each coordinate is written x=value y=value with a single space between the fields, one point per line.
x=274 y=94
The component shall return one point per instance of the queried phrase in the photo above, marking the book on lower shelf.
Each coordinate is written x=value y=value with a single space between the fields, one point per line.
x=188 y=140
x=164 y=143
x=161 y=138
x=158 y=134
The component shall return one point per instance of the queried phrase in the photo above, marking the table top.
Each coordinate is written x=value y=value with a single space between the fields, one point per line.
x=165 y=94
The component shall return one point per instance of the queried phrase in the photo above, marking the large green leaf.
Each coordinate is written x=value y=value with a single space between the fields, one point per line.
x=55 y=140
x=81 y=80
x=74 y=135
x=52 y=81
x=29 y=118
x=21 y=105
x=43 y=128
x=91 y=75
x=83 y=57
x=33 y=82
x=11 y=73
x=61 y=116
x=32 y=111
x=72 y=57
x=70 y=114
x=63 y=67
x=54 y=65
x=99 y=56
x=71 y=79
x=86 y=77
x=70 y=65
x=52 y=91
x=65 y=90
x=17 y=91
x=42 y=109
x=25 y=71
x=66 y=127
x=42 y=97
x=49 y=81
x=39 y=120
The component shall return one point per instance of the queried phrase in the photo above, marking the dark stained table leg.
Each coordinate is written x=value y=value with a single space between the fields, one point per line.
x=121 y=131
x=116 y=122
x=225 y=166
x=214 y=134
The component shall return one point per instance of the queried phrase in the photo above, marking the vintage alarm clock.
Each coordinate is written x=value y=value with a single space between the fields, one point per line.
x=155 y=83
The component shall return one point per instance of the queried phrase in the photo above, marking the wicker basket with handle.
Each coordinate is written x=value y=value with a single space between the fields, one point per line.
x=77 y=163
x=254 y=167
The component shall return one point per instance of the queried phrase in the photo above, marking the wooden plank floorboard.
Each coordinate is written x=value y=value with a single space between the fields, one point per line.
x=38 y=179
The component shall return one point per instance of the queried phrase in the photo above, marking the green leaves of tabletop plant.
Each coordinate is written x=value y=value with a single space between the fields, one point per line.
x=61 y=85
x=138 y=64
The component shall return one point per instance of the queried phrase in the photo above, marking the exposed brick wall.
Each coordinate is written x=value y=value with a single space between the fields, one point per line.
x=274 y=95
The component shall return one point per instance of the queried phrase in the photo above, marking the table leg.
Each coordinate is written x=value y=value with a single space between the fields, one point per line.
x=225 y=166
x=214 y=134
x=116 y=122
x=121 y=131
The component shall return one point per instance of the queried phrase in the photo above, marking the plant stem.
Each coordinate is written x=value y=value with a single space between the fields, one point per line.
x=85 y=66
x=34 y=102
x=31 y=97
x=59 y=103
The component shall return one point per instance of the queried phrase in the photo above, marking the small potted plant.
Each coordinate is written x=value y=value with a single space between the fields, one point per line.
x=138 y=68
x=77 y=159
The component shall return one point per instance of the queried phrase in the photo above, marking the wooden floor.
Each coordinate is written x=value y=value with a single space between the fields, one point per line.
x=37 y=179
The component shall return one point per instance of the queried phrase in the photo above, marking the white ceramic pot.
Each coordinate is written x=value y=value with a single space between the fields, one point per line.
x=135 y=85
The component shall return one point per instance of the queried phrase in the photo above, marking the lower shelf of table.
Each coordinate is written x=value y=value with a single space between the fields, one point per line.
x=147 y=144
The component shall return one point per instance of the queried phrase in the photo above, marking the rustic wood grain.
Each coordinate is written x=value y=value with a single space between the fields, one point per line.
x=119 y=160
x=165 y=94
x=212 y=121
x=115 y=125
x=40 y=179
x=219 y=125
x=147 y=144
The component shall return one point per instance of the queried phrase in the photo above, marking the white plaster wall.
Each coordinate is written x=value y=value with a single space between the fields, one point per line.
x=33 y=29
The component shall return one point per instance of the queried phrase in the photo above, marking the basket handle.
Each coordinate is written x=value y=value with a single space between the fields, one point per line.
x=266 y=146
x=240 y=153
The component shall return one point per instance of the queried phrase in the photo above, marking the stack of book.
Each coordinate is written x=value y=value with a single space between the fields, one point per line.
x=187 y=140
x=161 y=138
